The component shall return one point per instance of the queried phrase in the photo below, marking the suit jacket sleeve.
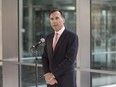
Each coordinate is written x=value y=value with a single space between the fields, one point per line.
x=70 y=57
x=45 y=61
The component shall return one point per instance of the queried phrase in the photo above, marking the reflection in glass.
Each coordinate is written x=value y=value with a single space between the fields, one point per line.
x=103 y=80
x=103 y=40
x=34 y=21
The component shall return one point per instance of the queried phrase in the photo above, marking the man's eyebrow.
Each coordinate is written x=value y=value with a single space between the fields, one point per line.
x=51 y=18
x=57 y=17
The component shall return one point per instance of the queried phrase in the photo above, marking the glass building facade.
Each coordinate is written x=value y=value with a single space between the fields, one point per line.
x=25 y=22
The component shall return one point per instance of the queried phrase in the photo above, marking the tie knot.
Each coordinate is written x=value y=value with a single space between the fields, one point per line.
x=56 y=34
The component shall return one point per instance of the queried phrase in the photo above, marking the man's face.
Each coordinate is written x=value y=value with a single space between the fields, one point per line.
x=56 y=20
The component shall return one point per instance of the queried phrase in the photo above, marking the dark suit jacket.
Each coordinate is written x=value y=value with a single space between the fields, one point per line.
x=61 y=61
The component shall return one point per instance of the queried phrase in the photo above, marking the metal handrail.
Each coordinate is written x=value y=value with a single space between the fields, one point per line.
x=11 y=61
x=98 y=71
x=14 y=61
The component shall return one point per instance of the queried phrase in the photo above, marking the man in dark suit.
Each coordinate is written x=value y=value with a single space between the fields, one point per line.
x=59 y=56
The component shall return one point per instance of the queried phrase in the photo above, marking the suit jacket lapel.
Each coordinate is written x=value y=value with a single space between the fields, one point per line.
x=50 y=44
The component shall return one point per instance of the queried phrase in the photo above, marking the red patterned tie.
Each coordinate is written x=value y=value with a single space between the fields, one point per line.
x=55 y=41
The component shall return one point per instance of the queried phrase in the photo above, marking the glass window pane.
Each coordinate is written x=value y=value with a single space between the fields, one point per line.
x=103 y=80
x=103 y=40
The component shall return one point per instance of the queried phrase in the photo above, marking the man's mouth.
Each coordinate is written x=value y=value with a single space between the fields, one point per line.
x=55 y=25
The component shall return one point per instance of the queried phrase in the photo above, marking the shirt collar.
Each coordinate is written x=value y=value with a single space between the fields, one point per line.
x=61 y=30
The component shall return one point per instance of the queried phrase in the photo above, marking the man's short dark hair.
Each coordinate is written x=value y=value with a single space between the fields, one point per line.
x=54 y=10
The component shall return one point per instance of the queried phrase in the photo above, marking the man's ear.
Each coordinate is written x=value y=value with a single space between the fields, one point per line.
x=63 y=20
